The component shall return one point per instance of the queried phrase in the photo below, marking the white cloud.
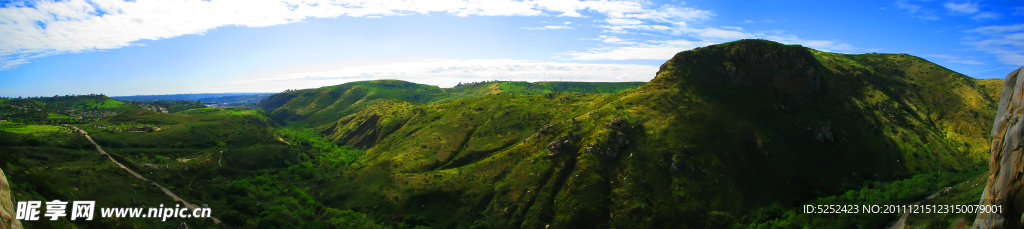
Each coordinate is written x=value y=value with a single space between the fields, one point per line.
x=665 y=49
x=623 y=21
x=1003 y=41
x=55 y=27
x=962 y=8
x=1018 y=10
x=671 y=14
x=985 y=15
x=823 y=45
x=548 y=27
x=719 y=34
x=998 y=29
x=969 y=8
x=917 y=10
x=714 y=34
x=657 y=50
x=448 y=72
x=906 y=5
x=748 y=21
x=76 y=25
x=613 y=40
x=956 y=59
x=737 y=28
x=624 y=28
x=667 y=19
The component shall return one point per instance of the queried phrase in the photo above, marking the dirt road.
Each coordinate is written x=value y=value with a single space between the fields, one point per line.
x=188 y=205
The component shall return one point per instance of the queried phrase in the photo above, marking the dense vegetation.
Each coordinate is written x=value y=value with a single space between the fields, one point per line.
x=323 y=106
x=65 y=166
x=695 y=146
x=231 y=159
x=878 y=193
x=740 y=134
x=60 y=109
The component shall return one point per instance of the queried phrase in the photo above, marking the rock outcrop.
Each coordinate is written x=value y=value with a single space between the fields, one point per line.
x=824 y=134
x=1005 y=185
x=7 y=220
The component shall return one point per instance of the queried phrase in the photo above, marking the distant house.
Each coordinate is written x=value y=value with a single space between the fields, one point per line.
x=3 y=120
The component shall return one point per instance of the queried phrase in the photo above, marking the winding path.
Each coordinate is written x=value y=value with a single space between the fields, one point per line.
x=188 y=205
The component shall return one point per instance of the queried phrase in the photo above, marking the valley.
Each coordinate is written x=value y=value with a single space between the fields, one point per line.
x=735 y=135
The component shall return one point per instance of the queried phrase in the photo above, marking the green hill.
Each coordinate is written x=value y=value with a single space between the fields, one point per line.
x=196 y=128
x=208 y=156
x=736 y=135
x=60 y=109
x=723 y=133
x=325 y=105
x=992 y=87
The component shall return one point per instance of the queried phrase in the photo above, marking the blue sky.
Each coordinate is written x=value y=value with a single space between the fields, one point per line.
x=192 y=46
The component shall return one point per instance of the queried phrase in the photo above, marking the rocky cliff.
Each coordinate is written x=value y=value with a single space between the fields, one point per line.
x=1004 y=181
x=7 y=220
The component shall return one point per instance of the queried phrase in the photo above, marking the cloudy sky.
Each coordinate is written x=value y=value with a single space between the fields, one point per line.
x=193 y=46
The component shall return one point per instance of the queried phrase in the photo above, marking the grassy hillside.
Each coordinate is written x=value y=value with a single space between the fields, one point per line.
x=234 y=160
x=735 y=135
x=325 y=105
x=196 y=128
x=60 y=109
x=992 y=87
x=83 y=102
x=64 y=165
x=722 y=132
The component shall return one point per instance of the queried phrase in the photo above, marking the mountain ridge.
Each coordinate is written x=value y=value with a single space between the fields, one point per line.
x=703 y=138
x=324 y=105
x=735 y=135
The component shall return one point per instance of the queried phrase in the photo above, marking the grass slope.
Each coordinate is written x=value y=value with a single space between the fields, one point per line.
x=60 y=109
x=69 y=102
x=325 y=105
x=231 y=159
x=192 y=129
x=722 y=131
x=64 y=166
x=992 y=87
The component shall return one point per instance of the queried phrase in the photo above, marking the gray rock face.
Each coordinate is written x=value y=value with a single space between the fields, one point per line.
x=7 y=220
x=1005 y=186
x=824 y=134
